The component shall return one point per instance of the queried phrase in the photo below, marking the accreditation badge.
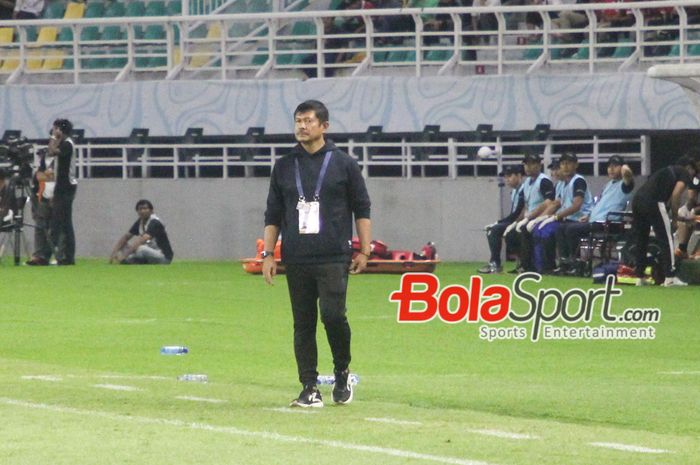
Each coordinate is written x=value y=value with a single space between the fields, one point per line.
x=309 y=217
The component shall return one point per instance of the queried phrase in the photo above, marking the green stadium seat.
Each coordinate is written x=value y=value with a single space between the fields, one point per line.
x=303 y=28
x=65 y=35
x=260 y=58
x=174 y=8
x=438 y=55
x=534 y=52
x=95 y=10
x=113 y=33
x=154 y=32
x=694 y=50
x=583 y=53
x=335 y=4
x=32 y=33
x=623 y=49
x=158 y=61
x=95 y=63
x=155 y=8
x=379 y=57
x=259 y=6
x=55 y=10
x=395 y=56
x=115 y=10
x=117 y=62
x=675 y=51
x=135 y=9
x=90 y=33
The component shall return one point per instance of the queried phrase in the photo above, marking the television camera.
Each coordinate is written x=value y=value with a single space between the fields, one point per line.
x=16 y=158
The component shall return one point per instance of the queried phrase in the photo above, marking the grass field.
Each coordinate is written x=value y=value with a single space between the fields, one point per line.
x=82 y=380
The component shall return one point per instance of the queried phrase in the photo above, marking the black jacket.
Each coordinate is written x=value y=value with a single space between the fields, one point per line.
x=343 y=194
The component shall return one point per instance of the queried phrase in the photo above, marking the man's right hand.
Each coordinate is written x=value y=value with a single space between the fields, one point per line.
x=269 y=269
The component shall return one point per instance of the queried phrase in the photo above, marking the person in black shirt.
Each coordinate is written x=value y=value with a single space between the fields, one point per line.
x=62 y=147
x=151 y=246
x=649 y=210
x=314 y=193
x=495 y=232
x=687 y=219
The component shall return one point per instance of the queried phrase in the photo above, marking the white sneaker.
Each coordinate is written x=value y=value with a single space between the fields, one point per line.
x=674 y=281
x=643 y=282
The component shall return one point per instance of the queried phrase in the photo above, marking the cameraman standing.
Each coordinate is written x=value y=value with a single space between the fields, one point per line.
x=44 y=187
x=61 y=225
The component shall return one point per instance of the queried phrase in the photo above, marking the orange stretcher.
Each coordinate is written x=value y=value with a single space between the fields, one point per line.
x=401 y=261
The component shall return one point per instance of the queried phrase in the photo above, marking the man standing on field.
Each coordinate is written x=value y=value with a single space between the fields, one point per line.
x=314 y=193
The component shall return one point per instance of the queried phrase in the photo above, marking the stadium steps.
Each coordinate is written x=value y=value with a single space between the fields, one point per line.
x=203 y=53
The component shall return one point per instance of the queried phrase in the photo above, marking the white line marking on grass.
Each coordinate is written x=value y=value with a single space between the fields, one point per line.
x=679 y=372
x=135 y=321
x=116 y=387
x=267 y=435
x=291 y=410
x=43 y=378
x=159 y=378
x=502 y=434
x=393 y=421
x=202 y=399
x=630 y=448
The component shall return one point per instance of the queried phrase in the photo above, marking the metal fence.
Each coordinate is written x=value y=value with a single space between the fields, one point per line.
x=404 y=158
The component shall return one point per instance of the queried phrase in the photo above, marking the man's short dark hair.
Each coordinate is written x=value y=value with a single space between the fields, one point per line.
x=143 y=202
x=64 y=125
x=686 y=160
x=317 y=107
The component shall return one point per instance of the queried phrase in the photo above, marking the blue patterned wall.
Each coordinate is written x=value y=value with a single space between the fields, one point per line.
x=600 y=101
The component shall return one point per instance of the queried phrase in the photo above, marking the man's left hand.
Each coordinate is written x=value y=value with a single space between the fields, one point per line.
x=358 y=264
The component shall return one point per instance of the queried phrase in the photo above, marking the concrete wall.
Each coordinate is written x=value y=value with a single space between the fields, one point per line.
x=220 y=219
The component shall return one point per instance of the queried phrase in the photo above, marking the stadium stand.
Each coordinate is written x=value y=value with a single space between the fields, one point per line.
x=423 y=40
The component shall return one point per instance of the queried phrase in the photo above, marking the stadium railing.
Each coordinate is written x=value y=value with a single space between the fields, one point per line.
x=260 y=45
x=450 y=158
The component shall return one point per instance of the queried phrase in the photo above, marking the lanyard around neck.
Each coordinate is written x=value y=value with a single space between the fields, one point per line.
x=321 y=175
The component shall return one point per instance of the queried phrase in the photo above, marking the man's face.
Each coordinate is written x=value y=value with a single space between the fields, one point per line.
x=614 y=171
x=568 y=167
x=144 y=212
x=56 y=132
x=692 y=170
x=555 y=173
x=532 y=168
x=513 y=180
x=308 y=128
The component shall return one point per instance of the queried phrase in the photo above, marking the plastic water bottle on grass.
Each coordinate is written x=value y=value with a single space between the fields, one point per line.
x=197 y=378
x=173 y=350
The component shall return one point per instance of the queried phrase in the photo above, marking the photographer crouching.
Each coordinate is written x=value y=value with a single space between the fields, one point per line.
x=56 y=187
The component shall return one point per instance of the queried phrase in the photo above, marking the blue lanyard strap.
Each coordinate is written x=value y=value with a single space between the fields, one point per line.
x=319 y=182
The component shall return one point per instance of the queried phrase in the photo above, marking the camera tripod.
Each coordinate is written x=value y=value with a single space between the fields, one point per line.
x=14 y=231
